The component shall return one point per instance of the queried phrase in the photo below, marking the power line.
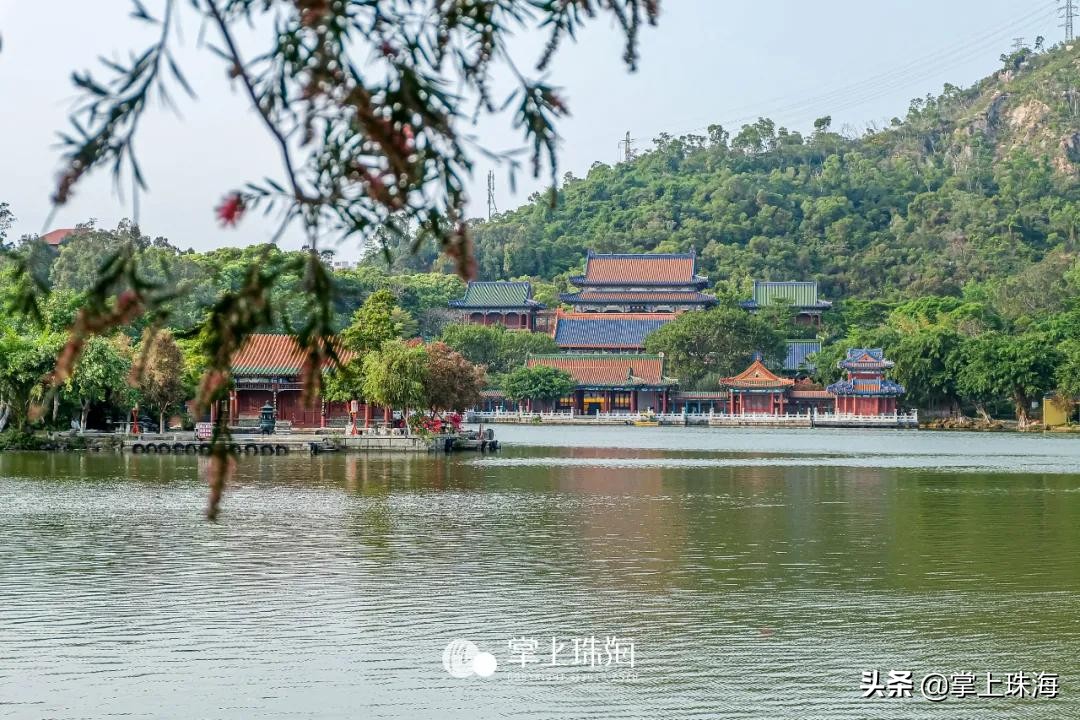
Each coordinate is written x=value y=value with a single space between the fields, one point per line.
x=1067 y=11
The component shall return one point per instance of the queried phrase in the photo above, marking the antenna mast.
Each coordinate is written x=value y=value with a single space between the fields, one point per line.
x=492 y=210
x=627 y=146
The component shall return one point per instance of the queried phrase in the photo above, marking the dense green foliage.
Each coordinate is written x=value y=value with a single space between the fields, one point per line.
x=539 y=382
x=371 y=306
x=499 y=350
x=702 y=347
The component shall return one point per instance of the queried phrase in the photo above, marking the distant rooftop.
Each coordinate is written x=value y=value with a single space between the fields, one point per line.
x=797 y=352
x=800 y=294
x=606 y=370
x=266 y=354
x=615 y=331
x=865 y=359
x=499 y=294
x=641 y=269
x=756 y=377
x=56 y=238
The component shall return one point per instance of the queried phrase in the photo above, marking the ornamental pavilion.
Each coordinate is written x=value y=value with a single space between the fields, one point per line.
x=865 y=390
x=801 y=296
x=611 y=383
x=756 y=390
x=630 y=283
x=509 y=304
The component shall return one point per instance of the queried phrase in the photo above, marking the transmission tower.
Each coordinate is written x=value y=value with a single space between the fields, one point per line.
x=1018 y=44
x=627 y=146
x=491 y=194
x=1067 y=10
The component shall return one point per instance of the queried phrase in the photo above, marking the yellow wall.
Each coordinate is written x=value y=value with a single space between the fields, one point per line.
x=1055 y=411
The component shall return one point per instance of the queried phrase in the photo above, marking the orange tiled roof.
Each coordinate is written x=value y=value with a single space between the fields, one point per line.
x=57 y=237
x=675 y=268
x=756 y=377
x=268 y=354
x=810 y=395
x=603 y=370
x=641 y=296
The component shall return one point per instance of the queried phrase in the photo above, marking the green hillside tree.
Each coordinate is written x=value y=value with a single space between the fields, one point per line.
x=703 y=346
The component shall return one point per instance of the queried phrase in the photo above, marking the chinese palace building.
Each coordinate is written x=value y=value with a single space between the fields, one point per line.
x=611 y=383
x=626 y=283
x=801 y=296
x=865 y=390
x=509 y=304
x=269 y=369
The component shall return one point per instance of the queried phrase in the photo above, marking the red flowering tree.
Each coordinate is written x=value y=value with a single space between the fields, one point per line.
x=452 y=382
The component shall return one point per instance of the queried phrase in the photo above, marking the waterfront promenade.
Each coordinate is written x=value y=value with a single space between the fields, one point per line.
x=807 y=419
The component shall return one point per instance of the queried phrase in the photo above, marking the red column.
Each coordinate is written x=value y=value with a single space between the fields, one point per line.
x=234 y=408
x=387 y=416
x=730 y=403
x=633 y=401
x=322 y=413
x=367 y=414
x=663 y=400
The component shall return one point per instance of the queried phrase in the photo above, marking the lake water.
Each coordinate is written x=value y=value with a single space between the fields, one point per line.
x=758 y=574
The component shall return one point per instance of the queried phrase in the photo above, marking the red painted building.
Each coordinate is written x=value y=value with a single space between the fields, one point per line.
x=865 y=389
x=509 y=304
x=757 y=390
x=269 y=369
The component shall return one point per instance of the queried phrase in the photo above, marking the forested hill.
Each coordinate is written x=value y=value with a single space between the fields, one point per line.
x=971 y=185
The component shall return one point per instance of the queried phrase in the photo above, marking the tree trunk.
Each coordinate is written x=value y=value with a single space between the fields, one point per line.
x=82 y=418
x=161 y=420
x=5 y=413
x=1021 y=404
x=981 y=410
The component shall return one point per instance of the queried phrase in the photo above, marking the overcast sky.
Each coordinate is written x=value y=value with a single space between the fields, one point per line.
x=707 y=62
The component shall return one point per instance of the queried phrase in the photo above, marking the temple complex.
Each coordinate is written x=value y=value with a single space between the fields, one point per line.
x=865 y=390
x=802 y=297
x=509 y=304
x=625 y=283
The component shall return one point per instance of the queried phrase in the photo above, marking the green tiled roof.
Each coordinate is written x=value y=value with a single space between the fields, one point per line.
x=799 y=294
x=497 y=295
